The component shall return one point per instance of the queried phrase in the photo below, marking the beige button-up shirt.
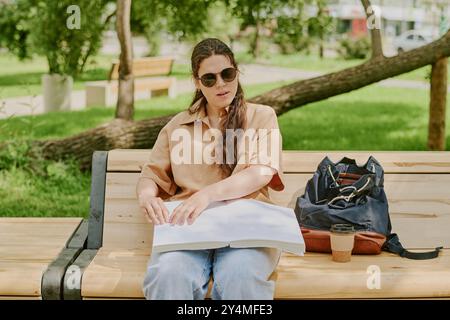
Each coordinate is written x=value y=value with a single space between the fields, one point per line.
x=184 y=158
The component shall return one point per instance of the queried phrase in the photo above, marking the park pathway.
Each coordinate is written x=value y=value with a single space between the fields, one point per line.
x=251 y=74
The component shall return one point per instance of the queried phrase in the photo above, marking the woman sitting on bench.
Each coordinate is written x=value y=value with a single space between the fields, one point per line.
x=218 y=108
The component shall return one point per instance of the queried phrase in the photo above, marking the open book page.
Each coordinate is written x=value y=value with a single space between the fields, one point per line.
x=238 y=223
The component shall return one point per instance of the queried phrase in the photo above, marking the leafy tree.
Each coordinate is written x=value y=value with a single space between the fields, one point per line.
x=15 y=27
x=67 y=49
x=320 y=25
x=220 y=24
x=256 y=14
x=291 y=30
x=146 y=20
x=41 y=26
x=183 y=19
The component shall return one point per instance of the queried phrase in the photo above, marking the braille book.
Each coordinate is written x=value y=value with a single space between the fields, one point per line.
x=240 y=223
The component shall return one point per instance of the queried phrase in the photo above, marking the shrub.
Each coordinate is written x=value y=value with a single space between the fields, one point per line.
x=354 y=48
x=13 y=154
x=290 y=37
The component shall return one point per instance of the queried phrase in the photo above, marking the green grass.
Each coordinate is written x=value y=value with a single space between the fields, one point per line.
x=23 y=78
x=372 y=118
x=62 y=191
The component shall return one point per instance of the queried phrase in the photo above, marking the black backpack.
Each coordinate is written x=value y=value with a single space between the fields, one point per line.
x=345 y=193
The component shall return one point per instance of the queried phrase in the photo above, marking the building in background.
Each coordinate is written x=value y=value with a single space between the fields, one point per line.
x=397 y=16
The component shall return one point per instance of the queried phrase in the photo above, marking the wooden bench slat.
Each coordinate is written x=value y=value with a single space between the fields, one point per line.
x=150 y=66
x=392 y=162
x=146 y=84
x=27 y=235
x=422 y=187
x=151 y=79
x=28 y=245
x=120 y=274
x=128 y=236
x=20 y=221
x=20 y=298
x=127 y=210
x=307 y=161
x=115 y=274
x=19 y=278
x=422 y=233
x=432 y=188
x=35 y=252
x=400 y=278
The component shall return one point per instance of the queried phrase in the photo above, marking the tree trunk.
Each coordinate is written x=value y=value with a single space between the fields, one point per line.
x=88 y=54
x=116 y=134
x=375 y=33
x=125 y=101
x=321 y=31
x=438 y=103
x=255 y=45
x=321 y=47
x=311 y=90
x=142 y=134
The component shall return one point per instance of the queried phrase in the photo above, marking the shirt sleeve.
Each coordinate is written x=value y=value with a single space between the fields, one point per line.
x=158 y=167
x=265 y=148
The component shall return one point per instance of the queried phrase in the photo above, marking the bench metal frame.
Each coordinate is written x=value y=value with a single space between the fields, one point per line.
x=51 y=284
x=73 y=274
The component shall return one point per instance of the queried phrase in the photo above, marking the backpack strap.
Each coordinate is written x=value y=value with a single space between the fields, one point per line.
x=363 y=186
x=393 y=245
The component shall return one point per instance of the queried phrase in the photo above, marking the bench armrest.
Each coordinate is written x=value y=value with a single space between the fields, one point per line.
x=51 y=285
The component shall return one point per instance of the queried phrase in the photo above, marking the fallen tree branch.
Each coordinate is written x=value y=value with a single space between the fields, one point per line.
x=142 y=134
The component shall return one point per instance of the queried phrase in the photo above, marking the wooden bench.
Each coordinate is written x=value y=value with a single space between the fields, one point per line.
x=35 y=253
x=417 y=185
x=151 y=79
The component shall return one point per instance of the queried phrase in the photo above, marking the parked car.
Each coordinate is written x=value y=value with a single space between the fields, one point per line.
x=411 y=39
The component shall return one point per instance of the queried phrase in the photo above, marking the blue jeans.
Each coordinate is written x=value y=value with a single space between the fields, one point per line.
x=239 y=273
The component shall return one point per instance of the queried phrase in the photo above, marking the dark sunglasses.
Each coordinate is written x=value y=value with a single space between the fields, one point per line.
x=210 y=79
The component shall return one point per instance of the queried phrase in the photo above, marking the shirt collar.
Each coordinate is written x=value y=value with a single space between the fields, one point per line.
x=224 y=112
x=200 y=114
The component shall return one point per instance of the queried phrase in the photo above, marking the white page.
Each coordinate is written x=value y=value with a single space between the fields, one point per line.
x=241 y=223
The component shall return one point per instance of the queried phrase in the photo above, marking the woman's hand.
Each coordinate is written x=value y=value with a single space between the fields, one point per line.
x=153 y=209
x=191 y=208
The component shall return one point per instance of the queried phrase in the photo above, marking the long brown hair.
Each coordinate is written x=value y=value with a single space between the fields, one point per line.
x=237 y=111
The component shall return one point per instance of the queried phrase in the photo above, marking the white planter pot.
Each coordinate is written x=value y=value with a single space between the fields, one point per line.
x=57 y=92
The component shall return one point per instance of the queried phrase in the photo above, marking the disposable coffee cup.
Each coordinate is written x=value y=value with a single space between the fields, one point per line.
x=342 y=241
